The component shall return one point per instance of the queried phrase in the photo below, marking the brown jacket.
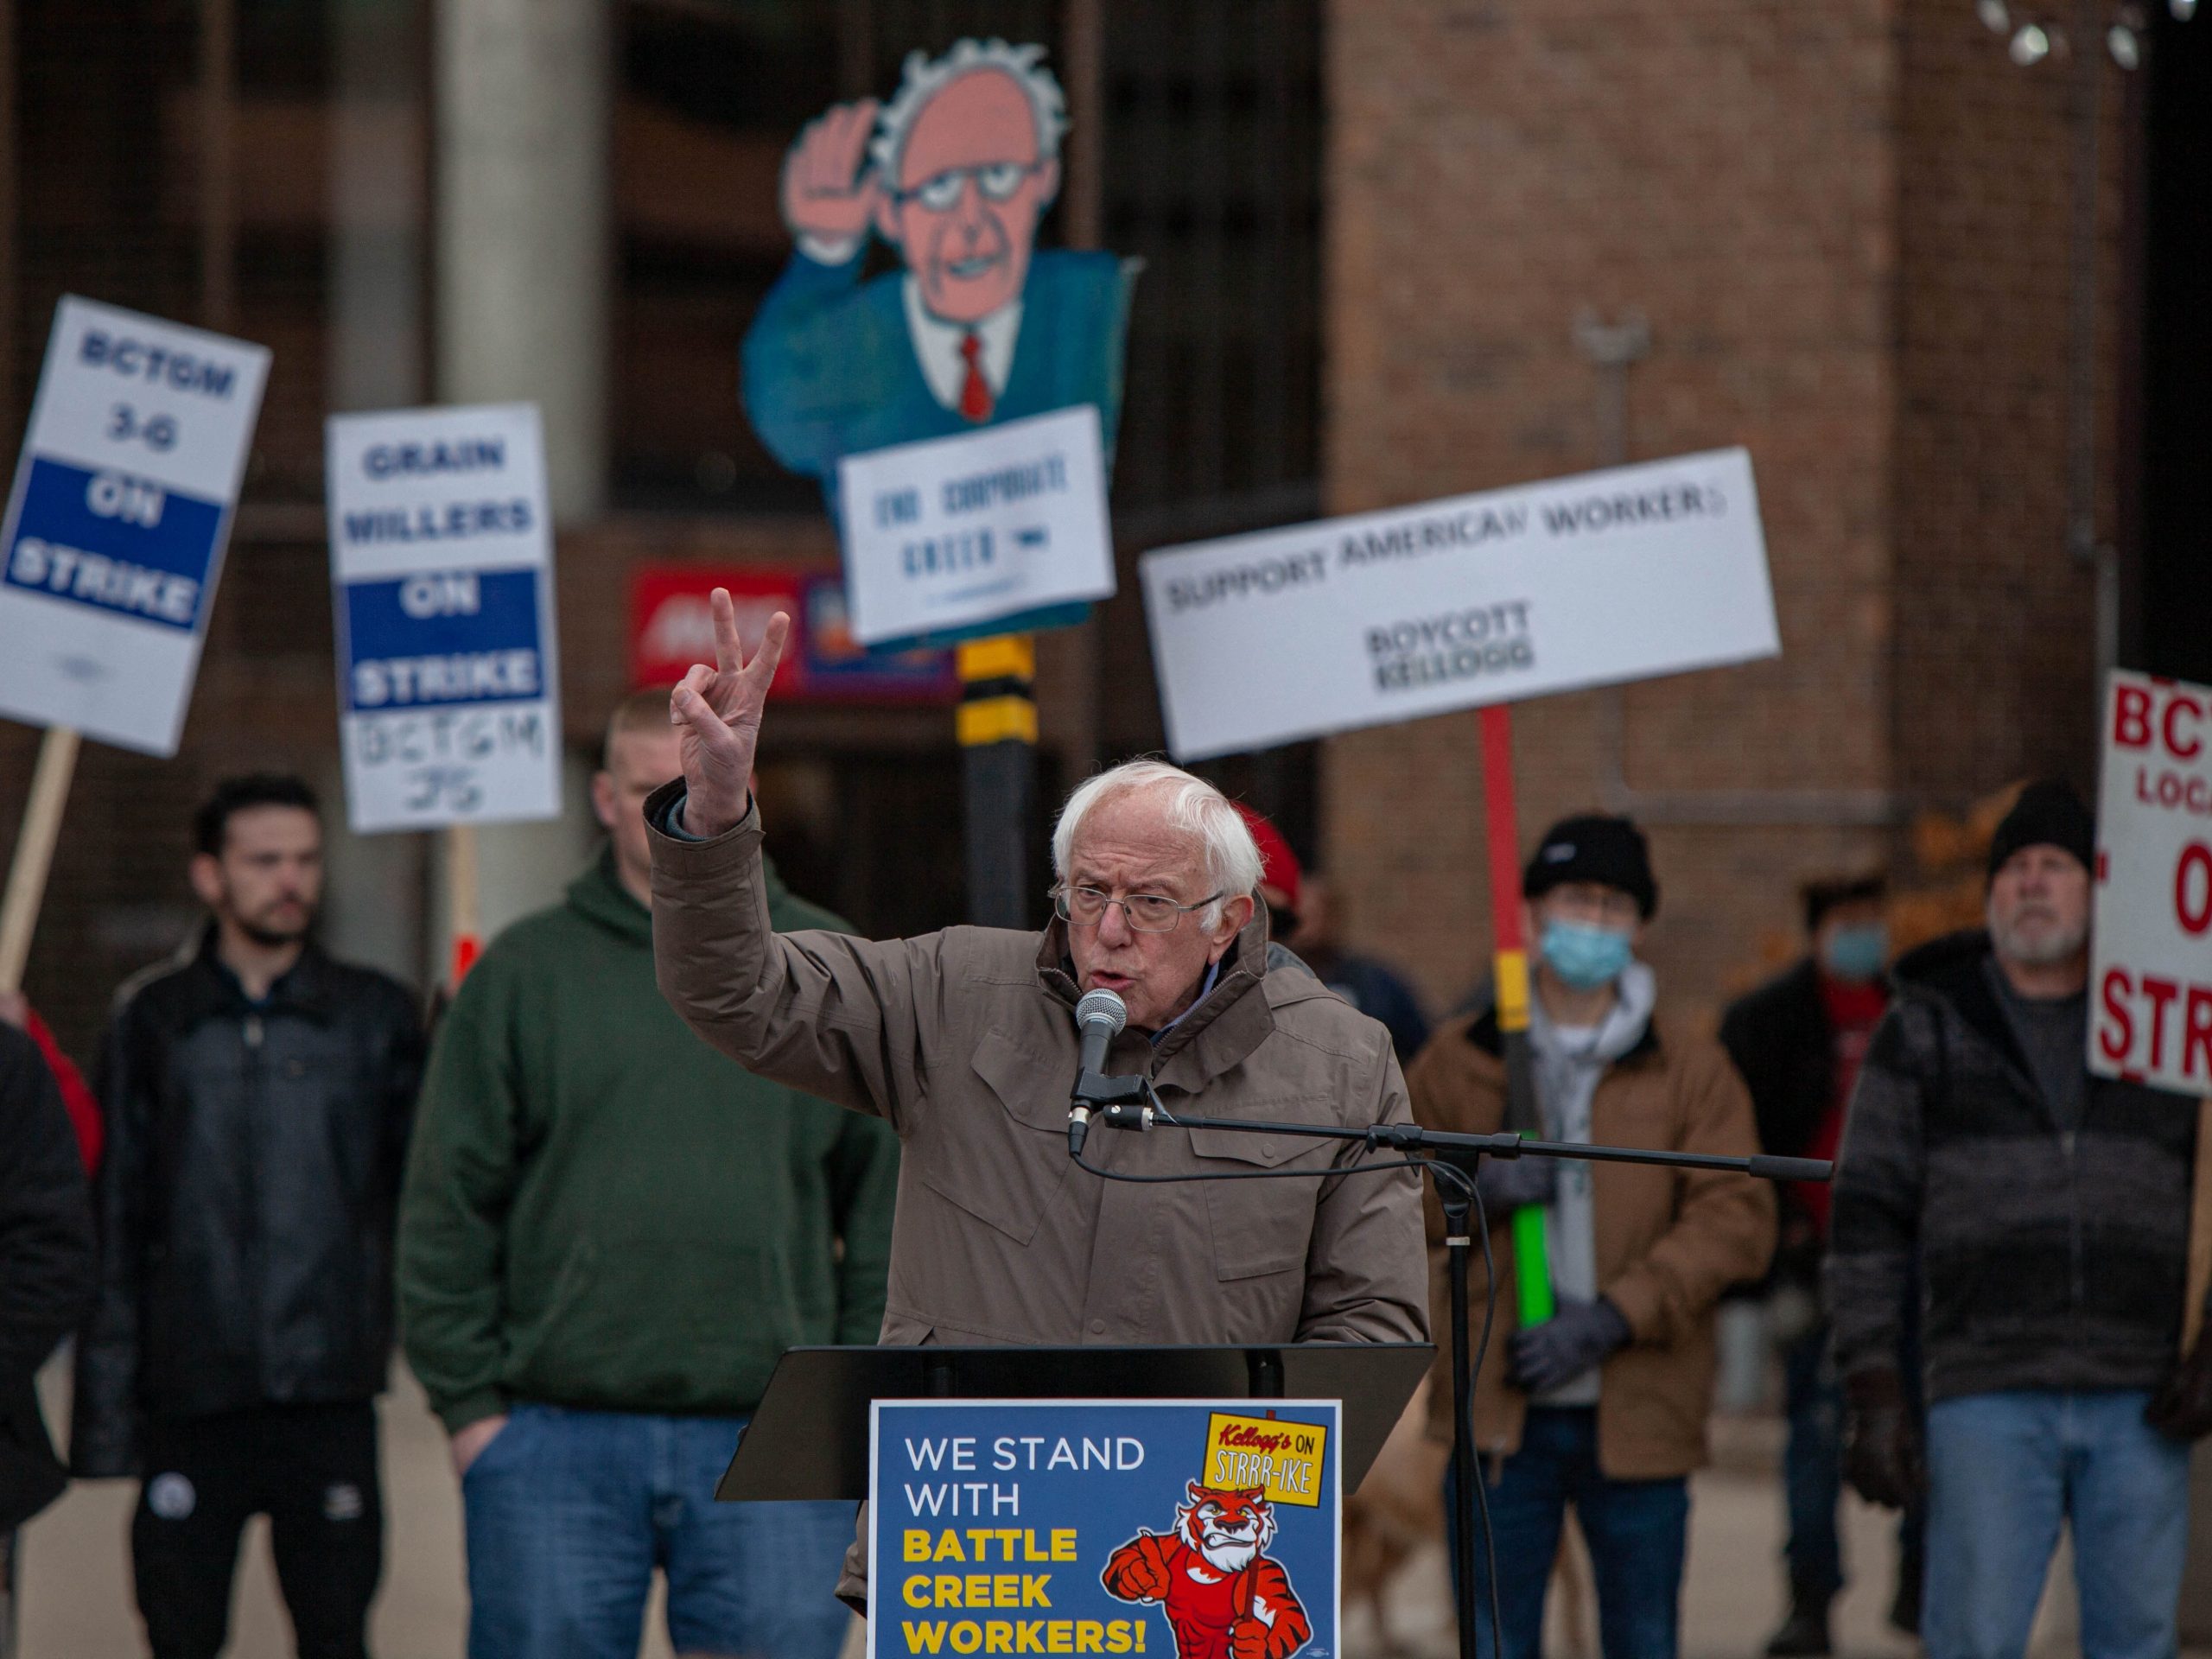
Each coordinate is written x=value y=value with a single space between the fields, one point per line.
x=1668 y=1241
x=965 y=1041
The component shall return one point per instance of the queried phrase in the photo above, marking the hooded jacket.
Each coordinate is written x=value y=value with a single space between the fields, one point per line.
x=603 y=1212
x=2049 y=1257
x=1668 y=1241
x=247 y=1195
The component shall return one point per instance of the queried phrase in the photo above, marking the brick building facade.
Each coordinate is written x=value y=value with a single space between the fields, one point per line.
x=1845 y=227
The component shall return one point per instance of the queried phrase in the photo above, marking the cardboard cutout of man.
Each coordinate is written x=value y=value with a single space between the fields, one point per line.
x=980 y=325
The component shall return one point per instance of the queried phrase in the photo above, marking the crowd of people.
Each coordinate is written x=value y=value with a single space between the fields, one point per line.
x=592 y=1234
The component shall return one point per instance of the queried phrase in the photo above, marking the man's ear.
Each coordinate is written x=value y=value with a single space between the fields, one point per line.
x=1048 y=183
x=205 y=873
x=886 y=215
x=1236 y=915
x=603 y=799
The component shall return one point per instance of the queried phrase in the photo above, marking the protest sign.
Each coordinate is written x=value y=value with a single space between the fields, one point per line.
x=1165 y=1528
x=2152 y=964
x=956 y=536
x=671 y=628
x=1616 y=575
x=118 y=520
x=441 y=568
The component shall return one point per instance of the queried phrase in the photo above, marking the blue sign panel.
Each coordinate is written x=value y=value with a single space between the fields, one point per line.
x=434 y=639
x=1183 y=1530
x=115 y=542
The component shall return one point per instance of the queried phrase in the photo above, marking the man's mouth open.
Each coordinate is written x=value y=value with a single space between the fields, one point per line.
x=967 y=271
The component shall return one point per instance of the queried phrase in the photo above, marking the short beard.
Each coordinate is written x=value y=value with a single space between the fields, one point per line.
x=270 y=939
x=2043 y=952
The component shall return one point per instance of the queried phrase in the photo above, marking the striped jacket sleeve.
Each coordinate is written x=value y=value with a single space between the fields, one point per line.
x=1879 y=1175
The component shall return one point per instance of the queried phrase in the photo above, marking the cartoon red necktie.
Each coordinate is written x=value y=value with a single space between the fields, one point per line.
x=975 y=391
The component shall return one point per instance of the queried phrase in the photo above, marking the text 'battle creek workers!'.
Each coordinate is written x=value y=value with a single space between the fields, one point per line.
x=964 y=1040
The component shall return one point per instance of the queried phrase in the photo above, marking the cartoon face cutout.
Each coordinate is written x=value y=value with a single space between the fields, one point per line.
x=1227 y=1527
x=970 y=189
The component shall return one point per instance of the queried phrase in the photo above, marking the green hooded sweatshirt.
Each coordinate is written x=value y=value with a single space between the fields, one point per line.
x=602 y=1211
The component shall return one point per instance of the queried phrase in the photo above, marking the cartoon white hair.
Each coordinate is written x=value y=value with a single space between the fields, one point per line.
x=924 y=77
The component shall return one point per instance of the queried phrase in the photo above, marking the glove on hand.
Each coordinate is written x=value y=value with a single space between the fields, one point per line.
x=1882 y=1454
x=1508 y=1184
x=2181 y=1409
x=1548 y=1355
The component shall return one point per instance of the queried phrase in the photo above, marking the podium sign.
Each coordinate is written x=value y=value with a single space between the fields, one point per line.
x=1166 y=1527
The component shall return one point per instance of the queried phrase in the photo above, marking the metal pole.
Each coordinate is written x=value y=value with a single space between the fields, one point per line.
x=996 y=725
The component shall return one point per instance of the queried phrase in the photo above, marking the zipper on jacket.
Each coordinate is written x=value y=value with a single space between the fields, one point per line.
x=253 y=1032
x=2077 y=1269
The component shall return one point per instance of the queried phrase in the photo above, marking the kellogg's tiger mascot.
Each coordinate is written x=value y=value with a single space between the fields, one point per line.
x=1223 y=1598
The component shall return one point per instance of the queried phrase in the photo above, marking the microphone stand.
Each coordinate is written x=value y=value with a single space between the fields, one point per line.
x=1128 y=1102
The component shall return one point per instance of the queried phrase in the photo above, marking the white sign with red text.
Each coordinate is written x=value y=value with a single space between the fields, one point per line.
x=2152 y=959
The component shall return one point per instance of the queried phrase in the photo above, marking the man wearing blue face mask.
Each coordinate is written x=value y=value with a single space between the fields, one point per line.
x=1799 y=1039
x=1603 y=1406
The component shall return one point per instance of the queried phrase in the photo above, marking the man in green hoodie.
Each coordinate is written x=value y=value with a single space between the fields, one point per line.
x=608 y=1234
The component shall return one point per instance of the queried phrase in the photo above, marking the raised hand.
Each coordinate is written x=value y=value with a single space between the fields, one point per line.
x=829 y=189
x=717 y=713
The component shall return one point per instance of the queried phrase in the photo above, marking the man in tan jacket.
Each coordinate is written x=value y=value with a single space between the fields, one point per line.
x=964 y=1040
x=1603 y=1406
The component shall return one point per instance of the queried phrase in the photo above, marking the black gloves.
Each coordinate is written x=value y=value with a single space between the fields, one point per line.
x=2181 y=1409
x=1510 y=1184
x=1545 y=1357
x=1882 y=1454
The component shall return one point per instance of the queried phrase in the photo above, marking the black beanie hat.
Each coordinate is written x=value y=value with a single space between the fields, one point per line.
x=2049 y=812
x=1593 y=848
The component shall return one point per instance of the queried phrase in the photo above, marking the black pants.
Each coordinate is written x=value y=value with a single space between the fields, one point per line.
x=312 y=1470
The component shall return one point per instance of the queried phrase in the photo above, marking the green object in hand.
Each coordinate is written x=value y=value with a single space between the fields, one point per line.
x=1532 y=1267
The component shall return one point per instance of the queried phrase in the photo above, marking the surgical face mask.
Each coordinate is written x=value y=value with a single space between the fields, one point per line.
x=1857 y=953
x=1584 y=955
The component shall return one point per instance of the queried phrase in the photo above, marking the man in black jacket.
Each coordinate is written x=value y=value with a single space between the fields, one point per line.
x=46 y=1280
x=258 y=1096
x=1799 y=1040
x=2049 y=1212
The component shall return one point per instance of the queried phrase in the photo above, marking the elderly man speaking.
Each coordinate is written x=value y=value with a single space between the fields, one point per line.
x=965 y=1041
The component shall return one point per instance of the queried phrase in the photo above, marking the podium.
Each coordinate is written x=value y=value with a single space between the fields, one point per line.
x=808 y=1437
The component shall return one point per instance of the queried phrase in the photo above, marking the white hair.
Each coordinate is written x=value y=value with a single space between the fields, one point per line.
x=1193 y=805
x=924 y=77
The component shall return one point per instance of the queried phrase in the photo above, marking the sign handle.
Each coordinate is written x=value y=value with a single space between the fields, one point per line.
x=57 y=762
x=1531 y=1265
x=464 y=913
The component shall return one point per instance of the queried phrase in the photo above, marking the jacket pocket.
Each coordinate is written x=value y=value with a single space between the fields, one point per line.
x=1260 y=1227
x=999 y=1154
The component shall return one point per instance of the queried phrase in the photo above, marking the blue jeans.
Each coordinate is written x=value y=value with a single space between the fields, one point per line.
x=569 y=1513
x=2005 y=1471
x=1812 y=1467
x=1637 y=1531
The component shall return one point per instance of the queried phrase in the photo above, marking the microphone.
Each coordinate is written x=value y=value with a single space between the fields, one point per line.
x=1099 y=1016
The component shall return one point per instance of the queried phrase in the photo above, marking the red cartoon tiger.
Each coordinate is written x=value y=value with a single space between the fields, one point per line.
x=1223 y=1598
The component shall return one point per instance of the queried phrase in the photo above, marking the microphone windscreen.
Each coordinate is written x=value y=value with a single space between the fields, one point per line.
x=1100 y=1005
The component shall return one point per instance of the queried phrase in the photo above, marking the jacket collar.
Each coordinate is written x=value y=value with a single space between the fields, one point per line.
x=1227 y=1025
x=598 y=895
x=306 y=989
x=1486 y=1035
x=1950 y=971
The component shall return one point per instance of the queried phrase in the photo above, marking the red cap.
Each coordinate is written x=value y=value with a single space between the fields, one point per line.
x=1278 y=864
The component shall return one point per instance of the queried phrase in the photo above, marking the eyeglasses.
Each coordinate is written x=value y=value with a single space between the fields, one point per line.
x=1147 y=913
x=998 y=180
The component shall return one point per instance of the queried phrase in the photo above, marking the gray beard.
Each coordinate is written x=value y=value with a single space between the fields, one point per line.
x=2038 y=952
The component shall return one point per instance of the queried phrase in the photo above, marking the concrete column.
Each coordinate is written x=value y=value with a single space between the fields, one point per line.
x=524 y=273
x=523 y=257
